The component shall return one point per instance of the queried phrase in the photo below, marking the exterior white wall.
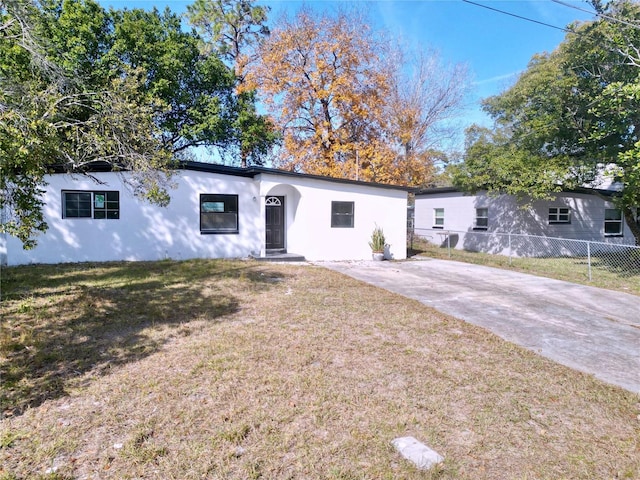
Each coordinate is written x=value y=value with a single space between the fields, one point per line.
x=148 y=232
x=506 y=215
x=143 y=231
x=308 y=214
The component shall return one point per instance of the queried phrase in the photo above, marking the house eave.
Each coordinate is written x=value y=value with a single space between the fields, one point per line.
x=584 y=190
x=255 y=170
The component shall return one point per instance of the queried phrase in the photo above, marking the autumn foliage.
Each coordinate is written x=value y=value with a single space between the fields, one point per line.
x=324 y=80
x=334 y=89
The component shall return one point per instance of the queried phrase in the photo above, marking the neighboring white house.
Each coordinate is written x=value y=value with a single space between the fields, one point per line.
x=215 y=212
x=585 y=214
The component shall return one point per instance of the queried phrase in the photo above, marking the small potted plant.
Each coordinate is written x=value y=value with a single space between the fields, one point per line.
x=377 y=243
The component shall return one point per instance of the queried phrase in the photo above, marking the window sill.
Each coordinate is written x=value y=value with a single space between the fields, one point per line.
x=224 y=232
x=614 y=235
x=481 y=228
x=438 y=227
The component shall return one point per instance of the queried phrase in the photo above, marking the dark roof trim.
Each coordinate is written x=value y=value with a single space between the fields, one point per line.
x=253 y=171
x=249 y=172
x=435 y=190
x=585 y=190
x=215 y=168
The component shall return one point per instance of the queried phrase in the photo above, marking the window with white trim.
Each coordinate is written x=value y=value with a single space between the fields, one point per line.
x=438 y=218
x=559 y=215
x=612 y=222
x=342 y=214
x=89 y=204
x=482 y=219
x=218 y=213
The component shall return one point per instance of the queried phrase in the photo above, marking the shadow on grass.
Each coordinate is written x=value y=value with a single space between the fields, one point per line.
x=622 y=264
x=62 y=321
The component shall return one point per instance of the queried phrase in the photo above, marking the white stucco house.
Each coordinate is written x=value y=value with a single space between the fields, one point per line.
x=215 y=212
x=583 y=214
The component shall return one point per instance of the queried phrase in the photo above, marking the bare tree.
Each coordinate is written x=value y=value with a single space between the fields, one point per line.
x=426 y=97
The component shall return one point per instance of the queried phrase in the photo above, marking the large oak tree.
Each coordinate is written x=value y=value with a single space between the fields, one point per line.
x=347 y=103
x=324 y=79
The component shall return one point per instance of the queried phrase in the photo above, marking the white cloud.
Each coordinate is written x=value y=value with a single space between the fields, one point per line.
x=498 y=78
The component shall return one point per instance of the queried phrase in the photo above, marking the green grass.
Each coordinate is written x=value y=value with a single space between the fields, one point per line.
x=236 y=370
x=607 y=273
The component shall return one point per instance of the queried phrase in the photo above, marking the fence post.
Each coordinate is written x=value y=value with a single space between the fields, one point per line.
x=449 y=243
x=509 y=249
x=589 y=258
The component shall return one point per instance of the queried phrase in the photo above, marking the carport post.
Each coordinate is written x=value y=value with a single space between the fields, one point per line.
x=589 y=258
x=509 y=249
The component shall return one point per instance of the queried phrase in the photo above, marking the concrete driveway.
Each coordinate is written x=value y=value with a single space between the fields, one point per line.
x=586 y=328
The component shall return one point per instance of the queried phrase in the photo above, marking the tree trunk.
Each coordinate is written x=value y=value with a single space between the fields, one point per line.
x=630 y=218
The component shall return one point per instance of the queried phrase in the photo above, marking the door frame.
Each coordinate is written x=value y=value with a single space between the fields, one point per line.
x=276 y=201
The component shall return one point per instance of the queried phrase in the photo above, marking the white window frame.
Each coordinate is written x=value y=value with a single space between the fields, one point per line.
x=559 y=215
x=612 y=221
x=438 y=218
x=483 y=224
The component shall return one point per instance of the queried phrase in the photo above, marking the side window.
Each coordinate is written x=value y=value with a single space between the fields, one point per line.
x=438 y=218
x=218 y=213
x=559 y=215
x=106 y=205
x=342 y=214
x=99 y=205
x=482 y=219
x=612 y=222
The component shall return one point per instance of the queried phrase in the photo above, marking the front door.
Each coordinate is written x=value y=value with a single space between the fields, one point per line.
x=274 y=223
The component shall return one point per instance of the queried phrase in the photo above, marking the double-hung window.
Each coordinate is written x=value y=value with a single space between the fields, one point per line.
x=612 y=222
x=559 y=215
x=482 y=219
x=99 y=205
x=218 y=213
x=438 y=218
x=342 y=214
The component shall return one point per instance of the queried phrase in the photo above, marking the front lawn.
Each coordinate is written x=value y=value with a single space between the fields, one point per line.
x=241 y=370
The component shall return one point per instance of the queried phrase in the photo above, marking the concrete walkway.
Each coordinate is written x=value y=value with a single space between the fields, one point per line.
x=586 y=328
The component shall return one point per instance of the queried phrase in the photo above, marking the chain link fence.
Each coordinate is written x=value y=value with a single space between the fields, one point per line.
x=583 y=258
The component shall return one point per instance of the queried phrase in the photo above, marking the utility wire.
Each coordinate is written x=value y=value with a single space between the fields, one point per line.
x=601 y=15
x=519 y=16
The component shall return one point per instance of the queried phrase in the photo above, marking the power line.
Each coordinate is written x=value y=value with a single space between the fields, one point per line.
x=519 y=16
x=601 y=15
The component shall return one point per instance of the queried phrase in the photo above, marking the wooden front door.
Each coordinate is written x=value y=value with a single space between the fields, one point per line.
x=274 y=223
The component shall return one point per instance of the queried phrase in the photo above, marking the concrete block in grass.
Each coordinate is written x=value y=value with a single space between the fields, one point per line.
x=422 y=456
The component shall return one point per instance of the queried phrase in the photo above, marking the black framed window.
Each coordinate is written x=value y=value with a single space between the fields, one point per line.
x=218 y=213
x=99 y=205
x=559 y=215
x=342 y=214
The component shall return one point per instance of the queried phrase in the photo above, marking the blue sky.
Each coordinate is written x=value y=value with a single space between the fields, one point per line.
x=496 y=47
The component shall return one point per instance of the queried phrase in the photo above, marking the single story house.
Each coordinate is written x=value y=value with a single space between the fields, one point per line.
x=215 y=212
x=477 y=222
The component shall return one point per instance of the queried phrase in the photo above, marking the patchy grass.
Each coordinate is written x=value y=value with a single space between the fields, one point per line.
x=605 y=272
x=241 y=370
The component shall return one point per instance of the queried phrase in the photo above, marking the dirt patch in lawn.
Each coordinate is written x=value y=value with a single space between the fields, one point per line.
x=215 y=369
